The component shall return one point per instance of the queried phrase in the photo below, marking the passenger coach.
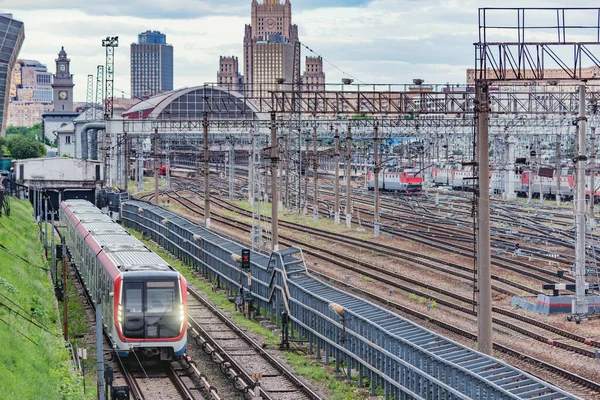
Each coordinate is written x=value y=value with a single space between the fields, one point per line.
x=144 y=298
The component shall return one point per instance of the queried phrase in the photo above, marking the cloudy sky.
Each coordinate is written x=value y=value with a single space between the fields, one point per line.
x=377 y=41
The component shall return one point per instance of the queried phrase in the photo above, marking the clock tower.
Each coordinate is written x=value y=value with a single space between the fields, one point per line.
x=62 y=84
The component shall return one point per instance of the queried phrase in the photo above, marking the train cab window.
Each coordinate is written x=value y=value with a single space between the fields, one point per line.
x=150 y=309
x=133 y=297
x=161 y=297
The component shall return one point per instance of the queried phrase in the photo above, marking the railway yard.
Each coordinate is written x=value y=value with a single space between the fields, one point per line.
x=279 y=236
x=422 y=267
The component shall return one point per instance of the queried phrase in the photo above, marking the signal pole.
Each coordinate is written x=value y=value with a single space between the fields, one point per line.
x=274 y=159
x=348 y=171
x=579 y=307
x=336 y=207
x=206 y=173
x=376 y=169
x=484 y=283
x=156 y=166
x=315 y=181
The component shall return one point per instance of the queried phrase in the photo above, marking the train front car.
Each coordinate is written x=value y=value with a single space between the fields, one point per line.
x=145 y=299
x=151 y=313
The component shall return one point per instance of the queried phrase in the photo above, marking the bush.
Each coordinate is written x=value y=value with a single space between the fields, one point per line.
x=21 y=147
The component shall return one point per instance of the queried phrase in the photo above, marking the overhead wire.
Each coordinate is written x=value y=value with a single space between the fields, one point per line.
x=332 y=64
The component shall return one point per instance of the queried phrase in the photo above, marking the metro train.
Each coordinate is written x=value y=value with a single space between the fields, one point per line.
x=397 y=179
x=521 y=182
x=144 y=298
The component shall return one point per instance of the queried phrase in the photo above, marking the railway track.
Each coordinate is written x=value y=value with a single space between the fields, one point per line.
x=380 y=274
x=239 y=351
x=582 y=382
x=161 y=380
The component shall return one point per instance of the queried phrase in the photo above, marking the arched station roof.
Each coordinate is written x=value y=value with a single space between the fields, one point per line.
x=192 y=102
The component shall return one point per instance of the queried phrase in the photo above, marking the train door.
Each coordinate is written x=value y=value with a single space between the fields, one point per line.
x=133 y=313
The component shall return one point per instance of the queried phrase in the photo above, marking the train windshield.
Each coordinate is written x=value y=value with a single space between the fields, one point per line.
x=151 y=309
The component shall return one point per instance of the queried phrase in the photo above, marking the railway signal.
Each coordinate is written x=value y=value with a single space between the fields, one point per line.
x=245 y=259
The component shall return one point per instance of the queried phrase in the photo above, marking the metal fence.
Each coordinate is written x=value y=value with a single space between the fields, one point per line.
x=401 y=358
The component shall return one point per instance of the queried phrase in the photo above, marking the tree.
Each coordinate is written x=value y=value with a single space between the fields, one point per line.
x=21 y=147
x=34 y=133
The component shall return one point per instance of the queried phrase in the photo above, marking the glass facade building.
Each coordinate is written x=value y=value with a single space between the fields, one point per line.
x=151 y=65
x=12 y=34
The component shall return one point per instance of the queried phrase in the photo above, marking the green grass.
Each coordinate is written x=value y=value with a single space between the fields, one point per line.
x=79 y=329
x=27 y=370
x=304 y=366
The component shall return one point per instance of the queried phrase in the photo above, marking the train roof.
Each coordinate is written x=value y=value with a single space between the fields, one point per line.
x=123 y=250
x=115 y=239
x=138 y=260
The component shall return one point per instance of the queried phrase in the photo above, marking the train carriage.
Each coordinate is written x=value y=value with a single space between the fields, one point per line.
x=145 y=299
x=397 y=179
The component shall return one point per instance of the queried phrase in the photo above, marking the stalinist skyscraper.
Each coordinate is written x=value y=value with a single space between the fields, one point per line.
x=267 y=40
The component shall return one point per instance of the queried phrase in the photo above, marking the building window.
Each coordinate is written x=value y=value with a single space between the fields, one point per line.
x=67 y=139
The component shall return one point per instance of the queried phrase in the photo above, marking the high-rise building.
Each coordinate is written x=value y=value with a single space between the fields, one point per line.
x=30 y=93
x=270 y=17
x=12 y=34
x=228 y=74
x=313 y=78
x=151 y=65
x=273 y=65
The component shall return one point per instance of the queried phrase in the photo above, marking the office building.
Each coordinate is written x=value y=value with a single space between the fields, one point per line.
x=30 y=93
x=12 y=34
x=273 y=65
x=313 y=79
x=228 y=75
x=151 y=65
x=267 y=19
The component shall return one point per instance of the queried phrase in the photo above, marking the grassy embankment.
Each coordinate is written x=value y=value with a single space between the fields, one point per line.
x=339 y=389
x=34 y=361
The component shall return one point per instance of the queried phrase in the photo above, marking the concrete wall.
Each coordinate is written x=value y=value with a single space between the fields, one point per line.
x=63 y=146
x=58 y=169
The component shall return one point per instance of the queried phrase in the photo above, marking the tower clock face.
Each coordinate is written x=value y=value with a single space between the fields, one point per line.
x=63 y=95
x=62 y=68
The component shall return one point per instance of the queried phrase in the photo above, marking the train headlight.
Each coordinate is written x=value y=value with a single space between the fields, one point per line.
x=182 y=317
x=120 y=314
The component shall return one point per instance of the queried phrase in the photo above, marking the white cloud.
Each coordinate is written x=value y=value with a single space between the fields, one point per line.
x=375 y=41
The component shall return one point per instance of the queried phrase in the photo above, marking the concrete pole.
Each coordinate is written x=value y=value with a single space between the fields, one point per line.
x=274 y=159
x=376 y=169
x=579 y=305
x=348 y=180
x=539 y=155
x=125 y=162
x=558 y=170
x=53 y=247
x=530 y=184
x=206 y=173
x=46 y=225
x=315 y=175
x=99 y=350
x=137 y=163
x=592 y=171
x=305 y=210
x=484 y=301
x=65 y=294
x=251 y=174
x=156 y=166
x=509 y=176
x=336 y=206
x=231 y=169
